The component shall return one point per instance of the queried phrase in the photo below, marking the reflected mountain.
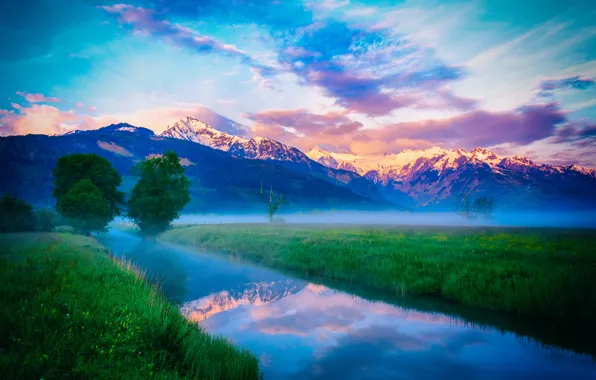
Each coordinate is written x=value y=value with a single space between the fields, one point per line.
x=258 y=293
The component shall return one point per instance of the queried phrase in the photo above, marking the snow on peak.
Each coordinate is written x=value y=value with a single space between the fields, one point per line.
x=192 y=129
x=202 y=133
x=127 y=129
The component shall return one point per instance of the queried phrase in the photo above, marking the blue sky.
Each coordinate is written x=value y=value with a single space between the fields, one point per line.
x=358 y=76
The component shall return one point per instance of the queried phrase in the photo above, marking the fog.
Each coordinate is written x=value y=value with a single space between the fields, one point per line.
x=585 y=219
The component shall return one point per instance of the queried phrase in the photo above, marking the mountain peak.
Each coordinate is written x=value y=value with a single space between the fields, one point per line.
x=193 y=129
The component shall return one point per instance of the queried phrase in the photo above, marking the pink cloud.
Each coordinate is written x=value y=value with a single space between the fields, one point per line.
x=469 y=130
x=45 y=119
x=301 y=119
x=37 y=98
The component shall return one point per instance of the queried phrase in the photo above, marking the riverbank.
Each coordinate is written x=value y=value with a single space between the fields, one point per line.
x=545 y=274
x=69 y=310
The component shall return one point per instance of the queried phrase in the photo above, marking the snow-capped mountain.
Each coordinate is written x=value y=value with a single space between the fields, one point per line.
x=259 y=293
x=259 y=148
x=263 y=148
x=438 y=176
x=403 y=165
x=433 y=177
x=195 y=130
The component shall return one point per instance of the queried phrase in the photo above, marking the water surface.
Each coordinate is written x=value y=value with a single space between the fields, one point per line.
x=302 y=330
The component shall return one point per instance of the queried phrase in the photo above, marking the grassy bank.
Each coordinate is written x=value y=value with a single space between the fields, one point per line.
x=69 y=311
x=547 y=274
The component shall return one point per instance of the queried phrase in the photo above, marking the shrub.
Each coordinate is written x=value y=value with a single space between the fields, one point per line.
x=16 y=215
x=46 y=219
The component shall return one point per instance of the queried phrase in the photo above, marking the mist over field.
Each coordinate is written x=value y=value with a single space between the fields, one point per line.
x=577 y=219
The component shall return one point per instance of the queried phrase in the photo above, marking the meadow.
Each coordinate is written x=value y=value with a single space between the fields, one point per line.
x=544 y=274
x=69 y=310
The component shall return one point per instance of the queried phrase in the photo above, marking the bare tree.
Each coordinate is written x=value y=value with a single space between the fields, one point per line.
x=272 y=200
x=465 y=206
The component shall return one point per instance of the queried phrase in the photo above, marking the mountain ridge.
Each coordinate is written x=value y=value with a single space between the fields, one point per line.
x=435 y=177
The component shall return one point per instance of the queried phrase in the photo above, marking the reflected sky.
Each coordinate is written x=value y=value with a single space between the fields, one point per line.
x=302 y=330
x=320 y=333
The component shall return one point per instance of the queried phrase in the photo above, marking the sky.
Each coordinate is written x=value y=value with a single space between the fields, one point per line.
x=365 y=77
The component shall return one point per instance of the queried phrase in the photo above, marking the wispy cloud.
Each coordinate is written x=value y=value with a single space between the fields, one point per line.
x=145 y=21
x=547 y=87
x=38 y=98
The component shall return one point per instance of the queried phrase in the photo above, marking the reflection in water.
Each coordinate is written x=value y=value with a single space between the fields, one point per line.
x=252 y=294
x=306 y=331
x=320 y=333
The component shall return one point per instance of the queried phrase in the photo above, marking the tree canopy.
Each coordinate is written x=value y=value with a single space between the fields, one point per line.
x=75 y=167
x=16 y=215
x=160 y=194
x=85 y=207
x=86 y=191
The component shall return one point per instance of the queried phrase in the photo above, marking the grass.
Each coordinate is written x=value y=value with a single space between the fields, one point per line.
x=548 y=275
x=70 y=311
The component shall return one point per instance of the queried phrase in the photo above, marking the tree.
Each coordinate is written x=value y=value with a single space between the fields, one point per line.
x=85 y=207
x=159 y=195
x=46 y=219
x=465 y=206
x=16 y=215
x=483 y=206
x=272 y=200
x=98 y=170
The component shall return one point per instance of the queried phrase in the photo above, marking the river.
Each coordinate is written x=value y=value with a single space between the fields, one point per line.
x=304 y=330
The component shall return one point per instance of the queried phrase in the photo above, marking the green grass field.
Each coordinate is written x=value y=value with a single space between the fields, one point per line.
x=70 y=311
x=542 y=273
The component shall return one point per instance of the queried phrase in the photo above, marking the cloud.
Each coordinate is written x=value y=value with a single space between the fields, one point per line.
x=579 y=134
x=227 y=101
x=304 y=121
x=476 y=128
x=37 y=98
x=145 y=21
x=480 y=128
x=547 y=87
x=45 y=119
x=367 y=69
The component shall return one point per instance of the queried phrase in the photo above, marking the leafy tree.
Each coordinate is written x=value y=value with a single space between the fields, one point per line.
x=159 y=195
x=98 y=170
x=272 y=200
x=85 y=207
x=16 y=215
x=483 y=206
x=46 y=219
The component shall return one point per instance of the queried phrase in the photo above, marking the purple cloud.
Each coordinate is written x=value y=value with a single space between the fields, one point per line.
x=146 y=21
x=359 y=68
x=306 y=122
x=547 y=87
x=579 y=134
x=480 y=128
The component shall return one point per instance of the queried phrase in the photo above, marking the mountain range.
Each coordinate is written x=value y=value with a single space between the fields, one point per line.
x=258 y=293
x=433 y=178
x=228 y=168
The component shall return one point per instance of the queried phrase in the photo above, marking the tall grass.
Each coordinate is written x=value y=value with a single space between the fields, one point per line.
x=547 y=274
x=70 y=311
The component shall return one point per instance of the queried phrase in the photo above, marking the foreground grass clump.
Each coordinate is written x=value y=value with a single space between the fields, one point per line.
x=70 y=311
x=548 y=274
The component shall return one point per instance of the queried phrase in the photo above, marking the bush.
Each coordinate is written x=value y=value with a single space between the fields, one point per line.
x=16 y=215
x=46 y=219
